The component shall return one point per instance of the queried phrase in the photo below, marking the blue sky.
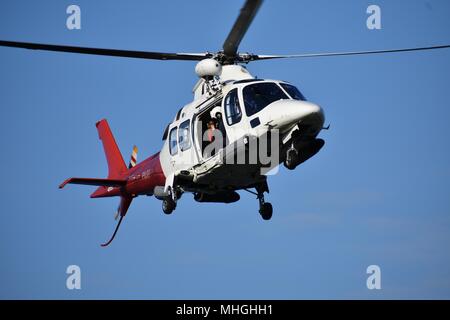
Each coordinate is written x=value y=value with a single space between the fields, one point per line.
x=378 y=193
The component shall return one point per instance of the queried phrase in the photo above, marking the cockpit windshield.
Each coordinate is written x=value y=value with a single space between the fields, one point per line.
x=259 y=95
x=293 y=92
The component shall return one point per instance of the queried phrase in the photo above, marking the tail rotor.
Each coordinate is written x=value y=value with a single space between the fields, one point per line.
x=133 y=159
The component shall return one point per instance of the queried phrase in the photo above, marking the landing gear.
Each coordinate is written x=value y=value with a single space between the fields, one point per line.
x=168 y=205
x=265 y=210
x=292 y=157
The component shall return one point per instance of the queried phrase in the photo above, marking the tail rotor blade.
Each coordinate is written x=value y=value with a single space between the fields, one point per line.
x=133 y=159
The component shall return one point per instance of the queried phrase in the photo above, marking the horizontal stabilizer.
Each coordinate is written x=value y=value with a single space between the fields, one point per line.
x=94 y=182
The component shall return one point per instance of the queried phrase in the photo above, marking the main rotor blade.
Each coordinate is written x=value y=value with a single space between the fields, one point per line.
x=240 y=27
x=108 y=52
x=349 y=53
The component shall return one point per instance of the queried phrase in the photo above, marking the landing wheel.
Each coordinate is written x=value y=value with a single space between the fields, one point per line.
x=291 y=159
x=266 y=210
x=168 y=205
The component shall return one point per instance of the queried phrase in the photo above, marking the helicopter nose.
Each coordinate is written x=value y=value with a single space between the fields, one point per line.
x=284 y=114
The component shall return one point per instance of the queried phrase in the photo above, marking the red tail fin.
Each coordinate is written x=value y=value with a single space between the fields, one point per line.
x=116 y=165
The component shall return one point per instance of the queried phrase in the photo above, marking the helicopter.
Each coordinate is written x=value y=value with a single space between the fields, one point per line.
x=237 y=129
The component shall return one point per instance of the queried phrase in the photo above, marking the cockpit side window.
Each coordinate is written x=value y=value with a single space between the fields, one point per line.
x=293 y=92
x=259 y=95
x=183 y=136
x=173 y=141
x=233 y=111
x=166 y=132
x=178 y=114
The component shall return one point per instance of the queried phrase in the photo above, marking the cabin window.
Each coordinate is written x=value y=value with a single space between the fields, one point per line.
x=259 y=95
x=183 y=136
x=233 y=111
x=293 y=92
x=173 y=141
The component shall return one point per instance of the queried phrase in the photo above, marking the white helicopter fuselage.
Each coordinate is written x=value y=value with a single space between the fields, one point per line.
x=233 y=96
